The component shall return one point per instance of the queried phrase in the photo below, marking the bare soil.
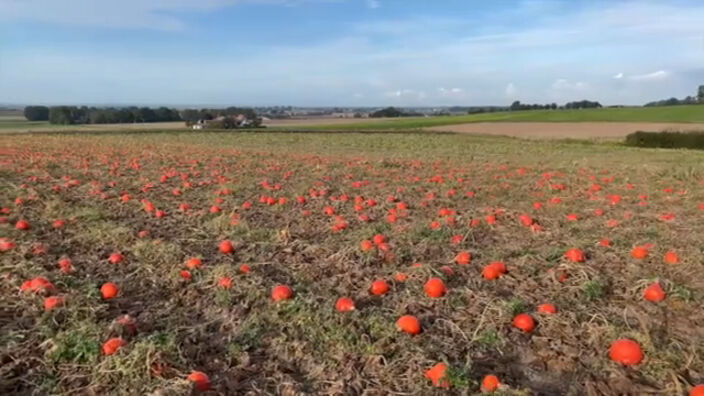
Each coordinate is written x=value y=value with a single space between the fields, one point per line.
x=45 y=127
x=561 y=130
x=307 y=121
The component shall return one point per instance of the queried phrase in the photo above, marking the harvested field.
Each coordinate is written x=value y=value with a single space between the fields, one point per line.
x=565 y=130
x=316 y=121
x=21 y=126
x=152 y=264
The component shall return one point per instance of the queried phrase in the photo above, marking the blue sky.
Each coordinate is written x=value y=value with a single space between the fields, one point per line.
x=348 y=52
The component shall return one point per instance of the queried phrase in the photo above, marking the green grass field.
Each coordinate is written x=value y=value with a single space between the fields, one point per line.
x=14 y=124
x=670 y=114
x=18 y=124
x=684 y=114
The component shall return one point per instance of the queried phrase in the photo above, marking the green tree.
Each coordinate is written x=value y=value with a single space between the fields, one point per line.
x=228 y=122
x=166 y=114
x=124 y=116
x=387 y=112
x=145 y=114
x=190 y=115
x=60 y=115
x=700 y=95
x=36 y=113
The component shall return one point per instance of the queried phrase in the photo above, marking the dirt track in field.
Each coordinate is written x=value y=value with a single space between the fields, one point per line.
x=45 y=127
x=561 y=130
x=291 y=122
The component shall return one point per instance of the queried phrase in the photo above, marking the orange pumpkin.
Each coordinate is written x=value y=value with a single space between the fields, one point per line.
x=524 y=322
x=344 y=304
x=200 y=380
x=626 y=352
x=671 y=258
x=226 y=247
x=490 y=383
x=639 y=252
x=435 y=288
x=225 y=282
x=116 y=258
x=193 y=263
x=52 y=302
x=410 y=324
x=697 y=391
x=281 y=293
x=367 y=245
x=109 y=290
x=494 y=270
x=436 y=374
x=378 y=239
x=379 y=287
x=574 y=255
x=547 y=309
x=112 y=345
x=654 y=293
x=463 y=258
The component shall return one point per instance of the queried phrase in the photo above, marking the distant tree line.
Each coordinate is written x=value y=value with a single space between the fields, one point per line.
x=485 y=109
x=689 y=100
x=227 y=118
x=69 y=115
x=582 y=104
x=231 y=122
x=393 y=112
x=192 y=115
x=36 y=113
x=517 y=105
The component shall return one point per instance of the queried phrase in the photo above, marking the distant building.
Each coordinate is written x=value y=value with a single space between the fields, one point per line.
x=223 y=122
x=343 y=115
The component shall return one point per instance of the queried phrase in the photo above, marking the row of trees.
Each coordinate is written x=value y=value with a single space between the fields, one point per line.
x=582 y=104
x=232 y=122
x=517 y=105
x=192 y=115
x=36 y=113
x=68 y=115
x=392 y=112
x=689 y=100
x=485 y=109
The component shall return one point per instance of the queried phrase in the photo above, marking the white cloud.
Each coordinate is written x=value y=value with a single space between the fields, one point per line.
x=450 y=91
x=407 y=94
x=562 y=84
x=132 y=14
x=409 y=26
x=528 y=55
x=510 y=91
x=656 y=75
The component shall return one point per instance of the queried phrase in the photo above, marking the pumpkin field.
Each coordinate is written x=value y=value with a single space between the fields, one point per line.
x=405 y=263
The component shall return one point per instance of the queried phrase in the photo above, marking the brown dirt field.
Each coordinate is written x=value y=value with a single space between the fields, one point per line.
x=45 y=127
x=561 y=130
x=320 y=121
